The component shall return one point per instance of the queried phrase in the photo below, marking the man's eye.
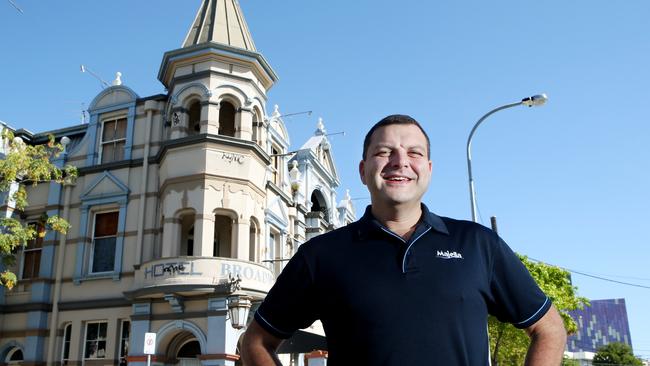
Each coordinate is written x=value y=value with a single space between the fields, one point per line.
x=382 y=153
x=416 y=153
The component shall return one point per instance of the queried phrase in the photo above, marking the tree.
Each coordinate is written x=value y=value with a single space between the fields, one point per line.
x=508 y=344
x=570 y=362
x=22 y=166
x=616 y=354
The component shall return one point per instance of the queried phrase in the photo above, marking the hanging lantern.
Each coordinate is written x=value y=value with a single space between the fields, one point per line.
x=238 y=308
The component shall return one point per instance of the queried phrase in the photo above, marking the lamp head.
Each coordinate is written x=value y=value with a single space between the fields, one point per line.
x=535 y=100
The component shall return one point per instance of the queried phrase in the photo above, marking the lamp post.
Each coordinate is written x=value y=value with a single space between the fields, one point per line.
x=534 y=101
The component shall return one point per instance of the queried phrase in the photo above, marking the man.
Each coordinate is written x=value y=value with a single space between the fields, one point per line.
x=403 y=286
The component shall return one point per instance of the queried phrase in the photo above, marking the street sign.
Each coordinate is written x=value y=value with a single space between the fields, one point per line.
x=150 y=343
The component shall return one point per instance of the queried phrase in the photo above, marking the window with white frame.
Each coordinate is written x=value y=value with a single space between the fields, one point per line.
x=65 y=351
x=267 y=250
x=113 y=140
x=277 y=162
x=95 y=340
x=102 y=255
x=275 y=245
x=31 y=260
x=125 y=332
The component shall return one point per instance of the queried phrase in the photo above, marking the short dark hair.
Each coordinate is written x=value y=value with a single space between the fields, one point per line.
x=394 y=119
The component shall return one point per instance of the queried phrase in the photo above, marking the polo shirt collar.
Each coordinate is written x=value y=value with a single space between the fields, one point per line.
x=369 y=223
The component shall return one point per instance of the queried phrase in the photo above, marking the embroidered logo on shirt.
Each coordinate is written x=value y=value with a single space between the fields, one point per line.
x=448 y=255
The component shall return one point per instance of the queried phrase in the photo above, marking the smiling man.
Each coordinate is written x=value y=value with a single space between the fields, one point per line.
x=403 y=286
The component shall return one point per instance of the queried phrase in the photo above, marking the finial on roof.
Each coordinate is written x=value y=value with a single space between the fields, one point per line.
x=118 y=79
x=294 y=176
x=320 y=127
x=276 y=111
x=346 y=201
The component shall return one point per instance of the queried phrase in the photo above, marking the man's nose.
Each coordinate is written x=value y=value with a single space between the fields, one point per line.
x=399 y=158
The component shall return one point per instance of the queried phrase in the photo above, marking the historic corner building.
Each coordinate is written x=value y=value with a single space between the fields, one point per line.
x=187 y=205
x=604 y=322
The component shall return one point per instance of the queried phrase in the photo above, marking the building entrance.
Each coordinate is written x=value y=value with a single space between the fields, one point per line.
x=184 y=350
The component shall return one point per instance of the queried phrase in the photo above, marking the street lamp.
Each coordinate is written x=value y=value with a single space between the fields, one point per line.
x=534 y=101
x=239 y=304
x=238 y=308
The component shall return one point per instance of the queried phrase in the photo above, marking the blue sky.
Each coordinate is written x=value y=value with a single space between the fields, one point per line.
x=567 y=181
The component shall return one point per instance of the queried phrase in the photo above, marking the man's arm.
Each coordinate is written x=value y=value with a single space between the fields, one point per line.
x=259 y=346
x=548 y=339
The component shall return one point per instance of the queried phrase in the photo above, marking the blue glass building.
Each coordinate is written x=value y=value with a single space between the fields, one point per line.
x=604 y=322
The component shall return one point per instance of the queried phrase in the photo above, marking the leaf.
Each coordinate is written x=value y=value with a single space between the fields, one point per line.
x=26 y=165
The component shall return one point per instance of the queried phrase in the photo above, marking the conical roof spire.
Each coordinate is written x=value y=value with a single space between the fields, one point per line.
x=220 y=21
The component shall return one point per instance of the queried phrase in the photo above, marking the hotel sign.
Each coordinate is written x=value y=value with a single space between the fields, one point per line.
x=204 y=271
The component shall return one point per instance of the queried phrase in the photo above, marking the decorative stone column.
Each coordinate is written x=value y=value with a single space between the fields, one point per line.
x=222 y=337
x=245 y=128
x=241 y=239
x=140 y=324
x=210 y=118
x=171 y=237
x=263 y=135
x=204 y=235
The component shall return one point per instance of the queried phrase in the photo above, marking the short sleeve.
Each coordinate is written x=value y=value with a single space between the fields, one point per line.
x=290 y=304
x=515 y=297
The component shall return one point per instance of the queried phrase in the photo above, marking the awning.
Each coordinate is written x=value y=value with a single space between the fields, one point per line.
x=303 y=342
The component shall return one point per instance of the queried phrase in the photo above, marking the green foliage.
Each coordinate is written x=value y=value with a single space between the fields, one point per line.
x=570 y=362
x=616 y=354
x=23 y=166
x=508 y=344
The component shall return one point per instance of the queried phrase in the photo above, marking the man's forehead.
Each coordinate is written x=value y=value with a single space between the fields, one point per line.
x=387 y=134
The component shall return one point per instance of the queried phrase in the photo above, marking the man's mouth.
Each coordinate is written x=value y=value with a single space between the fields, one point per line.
x=397 y=178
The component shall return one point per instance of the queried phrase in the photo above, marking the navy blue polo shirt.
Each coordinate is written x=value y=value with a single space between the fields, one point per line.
x=386 y=301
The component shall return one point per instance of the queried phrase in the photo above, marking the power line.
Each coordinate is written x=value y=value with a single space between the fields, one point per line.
x=595 y=276
x=16 y=6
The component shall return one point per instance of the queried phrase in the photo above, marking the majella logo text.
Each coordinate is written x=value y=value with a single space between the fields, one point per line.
x=448 y=255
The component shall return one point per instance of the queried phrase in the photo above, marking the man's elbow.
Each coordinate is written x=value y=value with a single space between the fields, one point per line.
x=549 y=327
x=259 y=346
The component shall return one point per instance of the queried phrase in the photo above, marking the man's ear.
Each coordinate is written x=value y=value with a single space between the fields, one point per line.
x=430 y=166
x=362 y=171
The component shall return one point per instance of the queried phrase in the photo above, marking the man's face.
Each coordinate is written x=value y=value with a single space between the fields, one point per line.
x=396 y=169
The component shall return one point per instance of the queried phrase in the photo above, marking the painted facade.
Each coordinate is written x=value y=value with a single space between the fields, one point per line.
x=184 y=201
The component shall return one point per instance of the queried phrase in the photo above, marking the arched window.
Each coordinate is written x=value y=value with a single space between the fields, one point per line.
x=257 y=125
x=222 y=236
x=318 y=203
x=194 y=118
x=227 y=119
x=252 y=241
x=14 y=357
x=315 y=205
x=187 y=233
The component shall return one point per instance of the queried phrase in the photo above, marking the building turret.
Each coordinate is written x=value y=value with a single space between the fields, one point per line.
x=217 y=80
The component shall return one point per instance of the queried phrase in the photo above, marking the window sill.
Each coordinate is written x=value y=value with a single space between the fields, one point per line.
x=97 y=276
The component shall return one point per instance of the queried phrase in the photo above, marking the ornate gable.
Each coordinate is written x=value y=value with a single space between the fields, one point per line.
x=105 y=186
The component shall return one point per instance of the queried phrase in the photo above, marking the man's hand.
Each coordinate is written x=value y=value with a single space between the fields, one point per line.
x=548 y=339
x=259 y=346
